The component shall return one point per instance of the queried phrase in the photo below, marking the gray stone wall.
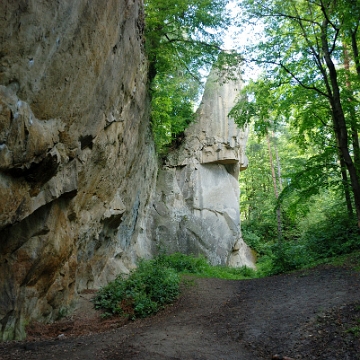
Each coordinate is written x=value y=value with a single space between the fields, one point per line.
x=79 y=202
x=77 y=161
x=197 y=194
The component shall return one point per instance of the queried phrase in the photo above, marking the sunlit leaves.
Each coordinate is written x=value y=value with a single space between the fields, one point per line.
x=306 y=83
x=184 y=33
x=183 y=38
x=172 y=106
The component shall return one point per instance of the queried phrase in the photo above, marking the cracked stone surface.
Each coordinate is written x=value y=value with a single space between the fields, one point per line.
x=78 y=168
x=197 y=194
x=74 y=139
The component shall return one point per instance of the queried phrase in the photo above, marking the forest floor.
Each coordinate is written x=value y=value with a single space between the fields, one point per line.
x=309 y=314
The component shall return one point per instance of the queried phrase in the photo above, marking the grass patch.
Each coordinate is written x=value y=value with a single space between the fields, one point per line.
x=224 y=272
x=354 y=330
x=199 y=266
x=351 y=260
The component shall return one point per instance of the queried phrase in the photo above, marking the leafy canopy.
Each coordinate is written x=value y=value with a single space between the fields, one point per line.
x=305 y=83
x=184 y=34
x=183 y=40
x=309 y=54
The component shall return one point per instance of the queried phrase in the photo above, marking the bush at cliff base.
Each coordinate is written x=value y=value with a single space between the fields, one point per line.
x=156 y=283
x=144 y=292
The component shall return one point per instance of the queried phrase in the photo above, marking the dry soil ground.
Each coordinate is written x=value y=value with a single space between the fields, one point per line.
x=313 y=314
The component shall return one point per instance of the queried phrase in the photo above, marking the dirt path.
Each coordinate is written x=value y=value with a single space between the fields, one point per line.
x=306 y=315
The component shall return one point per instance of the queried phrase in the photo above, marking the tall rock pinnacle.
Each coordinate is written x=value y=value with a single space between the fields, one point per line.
x=197 y=206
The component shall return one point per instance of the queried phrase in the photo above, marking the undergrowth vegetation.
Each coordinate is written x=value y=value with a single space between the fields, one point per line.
x=155 y=283
x=320 y=241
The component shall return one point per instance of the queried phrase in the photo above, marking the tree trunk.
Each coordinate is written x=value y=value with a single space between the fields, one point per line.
x=340 y=123
x=355 y=50
x=278 y=167
x=346 y=185
x=353 y=124
x=278 y=210
x=247 y=192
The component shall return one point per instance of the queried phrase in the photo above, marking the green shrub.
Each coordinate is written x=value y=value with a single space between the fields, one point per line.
x=337 y=235
x=144 y=292
x=156 y=283
x=264 y=266
x=317 y=238
x=288 y=256
x=257 y=243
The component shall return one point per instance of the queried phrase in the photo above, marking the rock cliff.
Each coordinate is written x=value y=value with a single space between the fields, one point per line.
x=196 y=209
x=80 y=192
x=77 y=161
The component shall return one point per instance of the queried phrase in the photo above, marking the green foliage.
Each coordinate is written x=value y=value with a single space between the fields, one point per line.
x=308 y=95
x=315 y=223
x=184 y=34
x=224 y=272
x=172 y=107
x=199 y=266
x=183 y=38
x=336 y=235
x=309 y=54
x=323 y=234
x=255 y=238
x=144 y=292
x=355 y=330
x=256 y=105
x=156 y=283
x=288 y=256
x=182 y=263
x=63 y=311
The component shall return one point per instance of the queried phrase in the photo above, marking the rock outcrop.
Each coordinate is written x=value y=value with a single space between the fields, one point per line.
x=197 y=194
x=80 y=201
x=77 y=161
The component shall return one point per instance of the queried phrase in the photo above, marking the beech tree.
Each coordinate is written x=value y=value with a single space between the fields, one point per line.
x=183 y=38
x=303 y=52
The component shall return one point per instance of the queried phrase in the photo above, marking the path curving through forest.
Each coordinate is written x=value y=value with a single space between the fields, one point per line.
x=312 y=314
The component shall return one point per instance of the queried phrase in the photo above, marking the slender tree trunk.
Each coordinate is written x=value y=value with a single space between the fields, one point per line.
x=354 y=138
x=247 y=191
x=355 y=50
x=278 y=210
x=346 y=185
x=251 y=199
x=340 y=123
x=278 y=167
x=353 y=123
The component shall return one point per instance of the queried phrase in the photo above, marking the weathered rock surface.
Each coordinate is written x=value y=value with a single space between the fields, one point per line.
x=77 y=162
x=197 y=204
x=78 y=169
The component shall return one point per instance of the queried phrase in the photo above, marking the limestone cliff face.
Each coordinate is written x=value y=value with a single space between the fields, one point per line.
x=197 y=204
x=77 y=161
x=79 y=202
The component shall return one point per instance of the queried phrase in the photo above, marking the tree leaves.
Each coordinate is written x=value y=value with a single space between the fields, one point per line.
x=183 y=39
x=306 y=85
